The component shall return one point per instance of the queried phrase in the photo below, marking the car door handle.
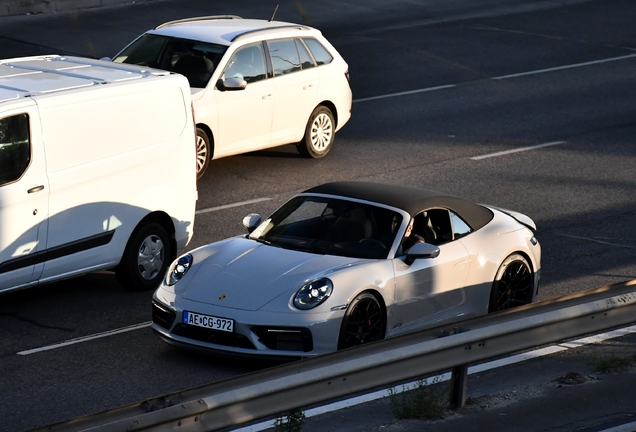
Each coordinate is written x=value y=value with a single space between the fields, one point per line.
x=36 y=189
x=267 y=96
x=307 y=87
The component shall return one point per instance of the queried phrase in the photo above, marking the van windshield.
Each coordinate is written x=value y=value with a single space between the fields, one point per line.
x=193 y=59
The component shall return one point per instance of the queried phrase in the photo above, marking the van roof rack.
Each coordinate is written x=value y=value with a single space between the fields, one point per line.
x=194 y=19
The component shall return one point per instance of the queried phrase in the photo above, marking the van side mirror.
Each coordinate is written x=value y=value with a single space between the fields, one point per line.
x=251 y=221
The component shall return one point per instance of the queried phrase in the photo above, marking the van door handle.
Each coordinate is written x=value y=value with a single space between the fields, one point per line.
x=36 y=189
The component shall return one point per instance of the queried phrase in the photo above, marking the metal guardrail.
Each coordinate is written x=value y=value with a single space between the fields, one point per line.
x=295 y=385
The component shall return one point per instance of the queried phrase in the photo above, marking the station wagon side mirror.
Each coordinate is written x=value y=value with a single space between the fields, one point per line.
x=251 y=221
x=231 y=84
x=421 y=250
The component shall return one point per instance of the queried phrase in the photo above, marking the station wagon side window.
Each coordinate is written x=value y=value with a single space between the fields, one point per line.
x=319 y=52
x=284 y=54
x=15 y=147
x=460 y=228
x=247 y=63
x=305 y=58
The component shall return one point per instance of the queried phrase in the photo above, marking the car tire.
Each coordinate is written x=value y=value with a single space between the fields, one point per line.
x=513 y=284
x=146 y=258
x=363 y=322
x=319 y=134
x=204 y=152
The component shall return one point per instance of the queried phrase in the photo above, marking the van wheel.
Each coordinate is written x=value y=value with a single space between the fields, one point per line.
x=319 y=134
x=145 y=259
x=203 y=152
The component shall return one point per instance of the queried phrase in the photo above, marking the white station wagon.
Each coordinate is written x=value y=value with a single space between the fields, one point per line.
x=256 y=84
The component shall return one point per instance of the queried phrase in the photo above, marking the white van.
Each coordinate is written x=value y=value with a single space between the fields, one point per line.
x=97 y=170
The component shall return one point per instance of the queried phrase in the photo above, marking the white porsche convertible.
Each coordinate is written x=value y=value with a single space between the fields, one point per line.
x=346 y=263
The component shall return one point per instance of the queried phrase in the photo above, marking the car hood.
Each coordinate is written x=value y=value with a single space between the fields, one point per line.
x=244 y=274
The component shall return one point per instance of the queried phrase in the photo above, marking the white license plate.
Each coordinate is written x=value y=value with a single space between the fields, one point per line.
x=207 y=321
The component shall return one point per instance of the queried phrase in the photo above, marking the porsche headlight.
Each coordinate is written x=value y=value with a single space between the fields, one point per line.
x=178 y=269
x=313 y=293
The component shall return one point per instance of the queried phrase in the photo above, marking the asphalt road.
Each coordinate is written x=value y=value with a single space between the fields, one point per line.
x=446 y=95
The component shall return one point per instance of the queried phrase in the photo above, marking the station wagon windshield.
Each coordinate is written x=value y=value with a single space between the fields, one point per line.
x=193 y=59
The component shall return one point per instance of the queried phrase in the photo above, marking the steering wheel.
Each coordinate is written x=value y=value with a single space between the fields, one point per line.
x=374 y=241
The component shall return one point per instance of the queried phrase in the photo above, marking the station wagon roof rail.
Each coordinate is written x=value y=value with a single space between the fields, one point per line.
x=195 y=19
x=270 y=30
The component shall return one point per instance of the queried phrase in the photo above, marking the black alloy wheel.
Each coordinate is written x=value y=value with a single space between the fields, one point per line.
x=363 y=322
x=513 y=284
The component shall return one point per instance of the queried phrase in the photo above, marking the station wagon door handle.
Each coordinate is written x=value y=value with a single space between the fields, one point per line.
x=36 y=189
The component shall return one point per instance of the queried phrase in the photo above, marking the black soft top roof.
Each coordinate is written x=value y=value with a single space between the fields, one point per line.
x=408 y=198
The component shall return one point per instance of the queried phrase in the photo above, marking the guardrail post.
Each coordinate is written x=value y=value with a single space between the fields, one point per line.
x=459 y=384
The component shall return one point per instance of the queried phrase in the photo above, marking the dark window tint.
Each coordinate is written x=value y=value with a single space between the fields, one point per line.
x=284 y=56
x=15 y=147
x=305 y=59
x=194 y=60
x=319 y=52
x=247 y=63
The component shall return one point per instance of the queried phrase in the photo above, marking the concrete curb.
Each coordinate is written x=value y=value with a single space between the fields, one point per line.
x=28 y=7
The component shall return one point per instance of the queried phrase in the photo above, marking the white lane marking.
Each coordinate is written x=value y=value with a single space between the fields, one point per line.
x=597 y=241
x=336 y=406
x=227 y=206
x=404 y=93
x=571 y=66
x=539 y=71
x=87 y=338
x=517 y=150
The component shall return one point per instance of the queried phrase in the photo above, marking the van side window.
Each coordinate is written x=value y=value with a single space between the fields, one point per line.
x=15 y=147
x=284 y=55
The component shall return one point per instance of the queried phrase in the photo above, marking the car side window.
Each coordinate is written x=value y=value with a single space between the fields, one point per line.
x=284 y=56
x=247 y=63
x=15 y=147
x=319 y=52
x=439 y=221
x=460 y=228
x=305 y=59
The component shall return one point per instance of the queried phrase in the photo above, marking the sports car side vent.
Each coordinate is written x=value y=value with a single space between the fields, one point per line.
x=285 y=338
x=161 y=316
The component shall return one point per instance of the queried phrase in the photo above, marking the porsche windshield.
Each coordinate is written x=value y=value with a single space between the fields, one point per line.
x=331 y=226
x=192 y=59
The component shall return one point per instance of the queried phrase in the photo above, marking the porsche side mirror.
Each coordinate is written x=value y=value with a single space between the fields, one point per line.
x=421 y=250
x=251 y=221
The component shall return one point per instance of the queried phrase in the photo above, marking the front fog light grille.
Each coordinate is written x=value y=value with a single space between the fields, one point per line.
x=162 y=316
x=285 y=338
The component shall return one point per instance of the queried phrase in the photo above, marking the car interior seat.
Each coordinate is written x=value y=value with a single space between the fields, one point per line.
x=422 y=225
x=195 y=69
x=353 y=225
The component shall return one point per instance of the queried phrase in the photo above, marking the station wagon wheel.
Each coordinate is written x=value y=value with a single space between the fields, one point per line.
x=319 y=134
x=203 y=152
x=145 y=258
x=363 y=322
x=513 y=284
